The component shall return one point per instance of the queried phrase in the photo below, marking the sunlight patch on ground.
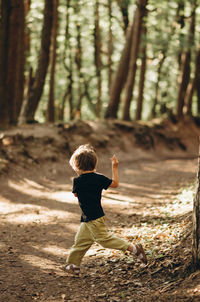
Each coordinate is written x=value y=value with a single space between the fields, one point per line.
x=6 y=206
x=36 y=190
x=38 y=215
x=39 y=262
x=53 y=250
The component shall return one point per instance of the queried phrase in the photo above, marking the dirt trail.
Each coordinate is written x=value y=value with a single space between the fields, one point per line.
x=39 y=215
x=39 y=218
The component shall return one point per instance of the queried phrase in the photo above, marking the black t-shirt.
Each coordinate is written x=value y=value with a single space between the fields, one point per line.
x=88 y=188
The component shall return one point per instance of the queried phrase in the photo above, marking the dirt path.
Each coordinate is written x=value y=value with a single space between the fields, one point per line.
x=39 y=218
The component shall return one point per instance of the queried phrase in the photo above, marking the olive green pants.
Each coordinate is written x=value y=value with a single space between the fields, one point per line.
x=90 y=232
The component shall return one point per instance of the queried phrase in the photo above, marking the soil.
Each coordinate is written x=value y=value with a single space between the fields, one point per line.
x=39 y=215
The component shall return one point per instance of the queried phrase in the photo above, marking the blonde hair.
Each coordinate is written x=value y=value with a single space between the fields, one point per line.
x=84 y=158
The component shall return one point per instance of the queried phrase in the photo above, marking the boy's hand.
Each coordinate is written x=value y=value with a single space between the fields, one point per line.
x=115 y=161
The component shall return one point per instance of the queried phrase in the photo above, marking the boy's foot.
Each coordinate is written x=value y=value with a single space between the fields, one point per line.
x=141 y=253
x=73 y=269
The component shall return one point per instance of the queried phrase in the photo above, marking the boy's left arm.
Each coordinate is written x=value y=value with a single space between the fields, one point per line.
x=115 y=177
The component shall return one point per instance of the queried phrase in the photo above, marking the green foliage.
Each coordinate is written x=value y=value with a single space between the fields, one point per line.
x=166 y=37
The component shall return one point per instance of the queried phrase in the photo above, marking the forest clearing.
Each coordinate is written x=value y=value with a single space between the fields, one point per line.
x=123 y=76
x=153 y=205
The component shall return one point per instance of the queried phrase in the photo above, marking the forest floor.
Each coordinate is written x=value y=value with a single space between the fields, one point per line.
x=153 y=204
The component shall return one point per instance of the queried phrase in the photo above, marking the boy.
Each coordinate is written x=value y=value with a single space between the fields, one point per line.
x=87 y=187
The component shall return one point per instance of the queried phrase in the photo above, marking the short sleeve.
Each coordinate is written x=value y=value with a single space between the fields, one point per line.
x=106 y=182
x=74 y=189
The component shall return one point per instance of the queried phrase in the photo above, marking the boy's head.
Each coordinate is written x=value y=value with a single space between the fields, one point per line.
x=83 y=159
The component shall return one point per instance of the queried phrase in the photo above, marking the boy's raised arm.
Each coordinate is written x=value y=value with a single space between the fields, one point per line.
x=115 y=177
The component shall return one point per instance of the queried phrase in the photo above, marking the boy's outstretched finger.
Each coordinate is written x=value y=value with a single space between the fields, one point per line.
x=114 y=159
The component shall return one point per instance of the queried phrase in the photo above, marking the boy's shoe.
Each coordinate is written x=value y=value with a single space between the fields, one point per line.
x=141 y=253
x=73 y=269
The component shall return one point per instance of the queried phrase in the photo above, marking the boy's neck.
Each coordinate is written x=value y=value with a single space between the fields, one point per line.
x=85 y=172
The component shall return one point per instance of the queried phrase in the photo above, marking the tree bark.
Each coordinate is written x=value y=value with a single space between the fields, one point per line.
x=53 y=56
x=193 y=85
x=98 y=63
x=142 y=77
x=198 y=82
x=196 y=222
x=37 y=88
x=184 y=76
x=120 y=77
x=110 y=45
x=157 y=86
x=11 y=59
x=79 y=63
x=67 y=55
x=4 y=33
x=140 y=13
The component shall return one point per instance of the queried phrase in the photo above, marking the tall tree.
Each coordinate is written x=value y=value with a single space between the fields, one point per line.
x=184 y=76
x=139 y=15
x=68 y=64
x=98 y=63
x=4 y=33
x=29 y=109
x=11 y=59
x=78 y=61
x=120 y=76
x=138 y=115
x=53 y=56
x=196 y=221
x=110 y=44
x=192 y=86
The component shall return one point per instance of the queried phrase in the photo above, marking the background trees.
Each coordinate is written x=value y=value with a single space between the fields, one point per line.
x=129 y=59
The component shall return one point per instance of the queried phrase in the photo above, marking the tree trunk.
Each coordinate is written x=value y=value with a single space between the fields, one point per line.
x=37 y=88
x=120 y=77
x=142 y=77
x=110 y=45
x=98 y=63
x=140 y=13
x=184 y=76
x=196 y=222
x=78 y=60
x=198 y=82
x=11 y=59
x=53 y=56
x=157 y=97
x=5 y=8
x=68 y=96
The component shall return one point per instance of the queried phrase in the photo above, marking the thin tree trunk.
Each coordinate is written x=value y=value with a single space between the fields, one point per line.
x=157 y=98
x=184 y=76
x=110 y=45
x=53 y=56
x=192 y=86
x=140 y=13
x=19 y=86
x=198 y=82
x=120 y=77
x=142 y=78
x=37 y=88
x=78 y=60
x=196 y=222
x=98 y=63
x=68 y=96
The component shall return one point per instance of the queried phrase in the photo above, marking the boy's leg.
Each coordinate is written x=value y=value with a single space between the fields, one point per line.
x=83 y=241
x=103 y=237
